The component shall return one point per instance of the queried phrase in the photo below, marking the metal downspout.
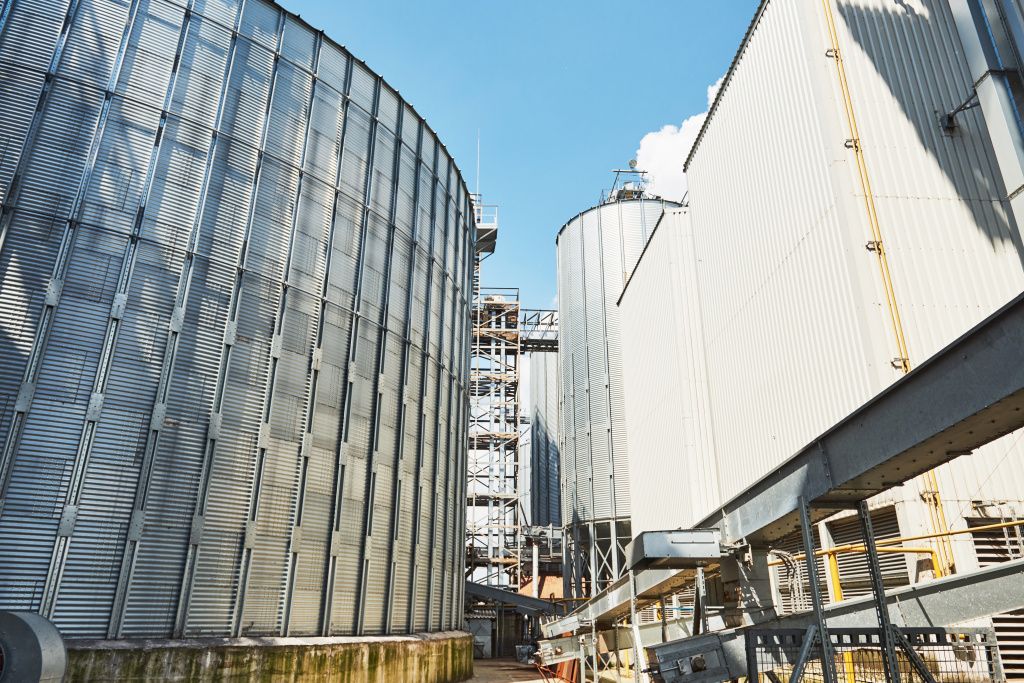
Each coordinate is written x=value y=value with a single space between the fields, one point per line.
x=931 y=495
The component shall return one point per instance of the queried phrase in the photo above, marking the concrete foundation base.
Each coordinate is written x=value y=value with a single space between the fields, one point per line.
x=422 y=658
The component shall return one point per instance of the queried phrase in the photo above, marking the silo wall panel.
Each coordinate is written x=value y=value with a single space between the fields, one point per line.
x=796 y=326
x=594 y=241
x=545 y=490
x=622 y=229
x=241 y=335
x=566 y=361
x=576 y=378
x=112 y=200
x=673 y=472
x=90 y=261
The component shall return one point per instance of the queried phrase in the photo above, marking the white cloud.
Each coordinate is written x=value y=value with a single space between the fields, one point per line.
x=663 y=152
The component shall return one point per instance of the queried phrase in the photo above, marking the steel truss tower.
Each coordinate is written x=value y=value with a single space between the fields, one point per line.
x=494 y=516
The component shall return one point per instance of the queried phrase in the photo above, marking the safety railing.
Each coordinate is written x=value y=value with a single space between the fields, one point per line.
x=948 y=655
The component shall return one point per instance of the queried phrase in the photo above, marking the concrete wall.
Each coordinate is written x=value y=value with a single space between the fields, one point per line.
x=424 y=658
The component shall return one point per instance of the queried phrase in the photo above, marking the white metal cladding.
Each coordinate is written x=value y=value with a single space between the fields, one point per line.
x=596 y=252
x=793 y=314
x=234 y=321
x=665 y=396
x=545 y=489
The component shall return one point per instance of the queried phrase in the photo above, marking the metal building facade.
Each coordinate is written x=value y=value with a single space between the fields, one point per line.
x=234 y=318
x=596 y=251
x=790 y=302
x=545 y=482
x=668 y=426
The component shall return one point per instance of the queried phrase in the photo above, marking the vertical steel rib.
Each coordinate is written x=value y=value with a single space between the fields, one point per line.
x=396 y=483
x=418 y=415
x=172 y=340
x=327 y=600
x=424 y=398
x=255 y=494
x=313 y=375
x=353 y=349
x=441 y=372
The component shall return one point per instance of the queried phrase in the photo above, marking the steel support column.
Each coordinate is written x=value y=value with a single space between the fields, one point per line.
x=639 y=661
x=888 y=637
x=818 y=630
x=885 y=636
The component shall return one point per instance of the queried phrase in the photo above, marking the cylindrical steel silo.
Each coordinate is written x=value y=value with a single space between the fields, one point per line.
x=596 y=252
x=234 y=317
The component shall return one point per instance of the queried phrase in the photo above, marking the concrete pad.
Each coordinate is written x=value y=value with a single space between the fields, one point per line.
x=504 y=671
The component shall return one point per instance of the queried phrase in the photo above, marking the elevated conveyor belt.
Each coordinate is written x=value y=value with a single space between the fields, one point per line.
x=524 y=604
x=966 y=395
x=944 y=602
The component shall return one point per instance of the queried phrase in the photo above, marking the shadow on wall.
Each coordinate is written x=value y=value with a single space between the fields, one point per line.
x=547 y=506
x=924 y=30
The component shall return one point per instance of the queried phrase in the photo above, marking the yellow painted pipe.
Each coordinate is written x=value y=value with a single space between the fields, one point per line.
x=904 y=539
x=865 y=183
x=831 y=554
x=924 y=537
x=933 y=499
x=837 y=596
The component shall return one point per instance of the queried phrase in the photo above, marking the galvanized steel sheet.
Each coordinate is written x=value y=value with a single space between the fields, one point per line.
x=236 y=270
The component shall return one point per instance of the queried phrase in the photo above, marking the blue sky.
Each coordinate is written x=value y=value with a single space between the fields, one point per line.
x=561 y=93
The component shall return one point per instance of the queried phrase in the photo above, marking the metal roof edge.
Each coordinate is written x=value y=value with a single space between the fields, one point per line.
x=326 y=37
x=662 y=201
x=725 y=81
x=618 y=302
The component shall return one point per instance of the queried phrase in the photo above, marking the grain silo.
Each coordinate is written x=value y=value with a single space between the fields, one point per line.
x=596 y=251
x=234 y=313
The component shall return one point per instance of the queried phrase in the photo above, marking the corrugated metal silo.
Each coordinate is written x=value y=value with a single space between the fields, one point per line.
x=596 y=252
x=234 y=310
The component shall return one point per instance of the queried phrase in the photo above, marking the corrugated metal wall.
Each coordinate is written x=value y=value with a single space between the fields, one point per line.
x=795 y=327
x=234 y=312
x=596 y=252
x=667 y=421
x=545 y=486
x=780 y=267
